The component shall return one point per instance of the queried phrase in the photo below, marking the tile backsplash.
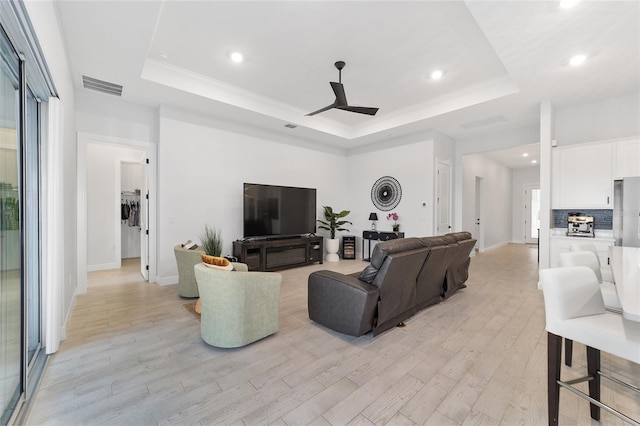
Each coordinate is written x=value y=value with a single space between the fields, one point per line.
x=603 y=219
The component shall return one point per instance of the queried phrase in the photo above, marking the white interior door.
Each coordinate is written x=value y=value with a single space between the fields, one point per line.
x=443 y=197
x=478 y=219
x=144 y=220
x=531 y=213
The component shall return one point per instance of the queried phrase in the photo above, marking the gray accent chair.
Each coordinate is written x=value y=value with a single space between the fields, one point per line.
x=186 y=260
x=405 y=276
x=238 y=307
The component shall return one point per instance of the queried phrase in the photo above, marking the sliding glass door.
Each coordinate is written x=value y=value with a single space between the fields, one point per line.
x=21 y=357
x=10 y=241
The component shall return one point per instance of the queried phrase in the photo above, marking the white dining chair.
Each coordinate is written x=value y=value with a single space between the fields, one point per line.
x=605 y=270
x=608 y=290
x=574 y=310
x=589 y=259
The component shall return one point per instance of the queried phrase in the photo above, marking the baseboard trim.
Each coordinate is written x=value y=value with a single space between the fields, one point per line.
x=104 y=266
x=495 y=246
x=167 y=280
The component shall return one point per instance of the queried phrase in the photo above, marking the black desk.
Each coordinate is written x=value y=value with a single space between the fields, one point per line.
x=377 y=236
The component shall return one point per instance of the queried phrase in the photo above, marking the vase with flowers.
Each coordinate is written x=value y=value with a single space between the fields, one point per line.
x=394 y=217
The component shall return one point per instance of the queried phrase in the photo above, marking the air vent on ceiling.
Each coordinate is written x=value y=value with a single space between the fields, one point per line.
x=101 y=86
x=484 y=122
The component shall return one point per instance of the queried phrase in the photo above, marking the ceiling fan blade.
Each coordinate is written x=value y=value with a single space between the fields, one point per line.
x=359 y=110
x=338 y=89
x=322 y=109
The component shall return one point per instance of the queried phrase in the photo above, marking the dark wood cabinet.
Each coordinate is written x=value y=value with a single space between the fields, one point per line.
x=369 y=236
x=279 y=253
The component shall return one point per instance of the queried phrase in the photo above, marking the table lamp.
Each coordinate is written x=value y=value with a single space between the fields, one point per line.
x=373 y=217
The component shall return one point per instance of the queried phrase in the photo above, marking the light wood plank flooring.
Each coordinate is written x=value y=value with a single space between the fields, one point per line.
x=134 y=356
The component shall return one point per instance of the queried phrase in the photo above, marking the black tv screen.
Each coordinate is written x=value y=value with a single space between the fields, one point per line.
x=271 y=210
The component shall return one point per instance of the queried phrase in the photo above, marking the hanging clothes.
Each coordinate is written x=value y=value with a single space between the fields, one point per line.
x=125 y=209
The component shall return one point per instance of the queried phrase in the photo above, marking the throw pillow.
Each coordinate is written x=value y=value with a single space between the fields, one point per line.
x=217 y=262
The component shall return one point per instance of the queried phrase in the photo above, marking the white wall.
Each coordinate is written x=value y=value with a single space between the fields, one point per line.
x=103 y=171
x=107 y=115
x=201 y=170
x=603 y=120
x=412 y=165
x=521 y=177
x=497 y=205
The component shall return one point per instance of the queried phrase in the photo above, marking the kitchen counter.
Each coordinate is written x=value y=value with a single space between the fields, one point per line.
x=560 y=243
x=602 y=235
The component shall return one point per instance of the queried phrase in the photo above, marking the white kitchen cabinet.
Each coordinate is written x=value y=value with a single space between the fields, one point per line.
x=561 y=244
x=626 y=158
x=583 y=177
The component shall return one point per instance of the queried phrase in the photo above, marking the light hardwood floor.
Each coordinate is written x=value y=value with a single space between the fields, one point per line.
x=133 y=356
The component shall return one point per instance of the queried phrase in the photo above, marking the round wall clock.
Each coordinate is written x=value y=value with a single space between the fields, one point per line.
x=386 y=193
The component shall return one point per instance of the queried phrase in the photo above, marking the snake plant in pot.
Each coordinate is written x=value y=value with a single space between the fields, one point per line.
x=333 y=222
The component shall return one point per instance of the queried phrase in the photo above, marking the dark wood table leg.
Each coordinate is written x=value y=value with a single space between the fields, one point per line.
x=554 y=360
x=593 y=367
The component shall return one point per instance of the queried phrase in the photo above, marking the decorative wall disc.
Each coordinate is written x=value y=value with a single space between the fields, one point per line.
x=386 y=193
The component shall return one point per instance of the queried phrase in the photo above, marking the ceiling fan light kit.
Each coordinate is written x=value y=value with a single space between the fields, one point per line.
x=341 y=97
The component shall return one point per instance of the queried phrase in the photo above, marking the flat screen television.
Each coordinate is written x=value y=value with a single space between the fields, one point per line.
x=278 y=211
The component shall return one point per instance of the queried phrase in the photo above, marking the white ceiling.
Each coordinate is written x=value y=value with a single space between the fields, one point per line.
x=499 y=58
x=517 y=157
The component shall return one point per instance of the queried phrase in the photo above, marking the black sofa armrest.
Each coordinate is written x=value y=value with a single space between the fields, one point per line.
x=341 y=302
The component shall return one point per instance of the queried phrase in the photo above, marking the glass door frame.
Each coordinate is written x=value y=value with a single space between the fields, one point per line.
x=28 y=128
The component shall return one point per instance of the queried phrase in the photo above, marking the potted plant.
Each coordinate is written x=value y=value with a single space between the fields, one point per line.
x=211 y=240
x=333 y=222
x=395 y=226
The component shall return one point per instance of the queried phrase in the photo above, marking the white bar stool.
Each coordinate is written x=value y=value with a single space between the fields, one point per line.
x=575 y=310
x=609 y=294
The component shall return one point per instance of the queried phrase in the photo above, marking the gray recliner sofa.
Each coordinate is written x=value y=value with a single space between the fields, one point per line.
x=405 y=276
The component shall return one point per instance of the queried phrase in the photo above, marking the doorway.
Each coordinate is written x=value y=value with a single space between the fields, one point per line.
x=531 y=213
x=478 y=214
x=134 y=237
x=443 y=197
x=91 y=146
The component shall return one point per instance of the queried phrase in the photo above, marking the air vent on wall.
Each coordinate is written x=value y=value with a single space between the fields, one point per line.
x=484 y=122
x=101 y=86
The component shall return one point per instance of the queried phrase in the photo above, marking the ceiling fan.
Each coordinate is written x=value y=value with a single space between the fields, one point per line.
x=341 y=98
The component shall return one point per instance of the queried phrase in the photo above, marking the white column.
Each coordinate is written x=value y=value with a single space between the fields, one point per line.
x=547 y=136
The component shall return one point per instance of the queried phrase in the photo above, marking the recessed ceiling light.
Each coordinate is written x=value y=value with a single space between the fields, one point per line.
x=534 y=161
x=237 y=57
x=436 y=75
x=568 y=4
x=577 y=60
x=526 y=154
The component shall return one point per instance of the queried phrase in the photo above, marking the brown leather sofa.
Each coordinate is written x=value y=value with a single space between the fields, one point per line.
x=405 y=276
